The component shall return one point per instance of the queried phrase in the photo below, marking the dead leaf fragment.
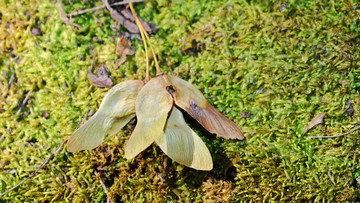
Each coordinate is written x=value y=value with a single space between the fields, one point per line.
x=350 y=108
x=102 y=77
x=123 y=49
x=316 y=121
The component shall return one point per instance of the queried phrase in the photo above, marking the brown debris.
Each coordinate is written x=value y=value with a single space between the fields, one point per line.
x=149 y=27
x=316 y=121
x=123 y=49
x=350 y=108
x=246 y=114
x=128 y=21
x=36 y=31
x=102 y=77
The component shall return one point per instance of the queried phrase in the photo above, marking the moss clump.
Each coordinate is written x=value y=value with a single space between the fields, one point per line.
x=282 y=61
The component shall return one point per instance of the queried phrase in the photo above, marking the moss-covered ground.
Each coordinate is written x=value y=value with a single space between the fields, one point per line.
x=283 y=61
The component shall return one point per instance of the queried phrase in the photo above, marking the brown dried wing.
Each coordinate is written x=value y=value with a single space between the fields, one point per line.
x=190 y=99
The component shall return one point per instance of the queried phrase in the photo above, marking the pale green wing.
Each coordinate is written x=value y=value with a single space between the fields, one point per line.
x=183 y=145
x=189 y=98
x=152 y=108
x=116 y=110
x=88 y=136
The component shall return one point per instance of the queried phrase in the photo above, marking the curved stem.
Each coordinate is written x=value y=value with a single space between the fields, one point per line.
x=142 y=30
x=147 y=76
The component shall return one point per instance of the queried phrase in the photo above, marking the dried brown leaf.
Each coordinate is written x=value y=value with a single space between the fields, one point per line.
x=123 y=49
x=350 y=108
x=316 y=121
x=149 y=27
x=102 y=77
x=130 y=26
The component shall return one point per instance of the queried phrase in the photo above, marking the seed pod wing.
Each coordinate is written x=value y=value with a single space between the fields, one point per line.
x=153 y=105
x=190 y=99
x=116 y=110
x=183 y=145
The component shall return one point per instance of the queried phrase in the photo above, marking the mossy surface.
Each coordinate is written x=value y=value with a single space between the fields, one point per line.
x=282 y=61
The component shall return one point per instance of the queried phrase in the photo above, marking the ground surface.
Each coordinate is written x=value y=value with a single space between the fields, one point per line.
x=284 y=62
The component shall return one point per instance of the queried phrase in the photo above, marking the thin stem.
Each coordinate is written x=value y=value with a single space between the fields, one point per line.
x=142 y=29
x=147 y=76
x=37 y=170
x=332 y=136
x=103 y=6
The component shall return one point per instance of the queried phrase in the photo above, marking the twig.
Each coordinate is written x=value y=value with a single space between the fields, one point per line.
x=332 y=136
x=93 y=62
x=37 y=170
x=331 y=178
x=104 y=187
x=16 y=58
x=24 y=102
x=103 y=6
x=2 y=137
x=11 y=80
x=64 y=17
x=130 y=26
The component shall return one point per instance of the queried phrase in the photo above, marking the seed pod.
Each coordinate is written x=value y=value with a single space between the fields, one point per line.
x=153 y=105
x=116 y=110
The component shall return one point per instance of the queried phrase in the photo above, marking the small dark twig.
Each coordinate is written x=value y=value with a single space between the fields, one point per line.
x=64 y=17
x=93 y=62
x=16 y=58
x=332 y=136
x=11 y=80
x=104 y=187
x=331 y=178
x=37 y=170
x=24 y=102
x=103 y=6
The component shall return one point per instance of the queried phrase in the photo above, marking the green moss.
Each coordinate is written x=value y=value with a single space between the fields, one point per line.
x=282 y=61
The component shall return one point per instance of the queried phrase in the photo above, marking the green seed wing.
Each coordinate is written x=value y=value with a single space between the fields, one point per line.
x=183 y=145
x=153 y=105
x=116 y=110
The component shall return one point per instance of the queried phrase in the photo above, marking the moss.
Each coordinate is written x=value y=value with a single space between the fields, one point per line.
x=282 y=61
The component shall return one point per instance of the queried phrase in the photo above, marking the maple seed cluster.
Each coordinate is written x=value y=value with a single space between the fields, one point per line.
x=157 y=105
